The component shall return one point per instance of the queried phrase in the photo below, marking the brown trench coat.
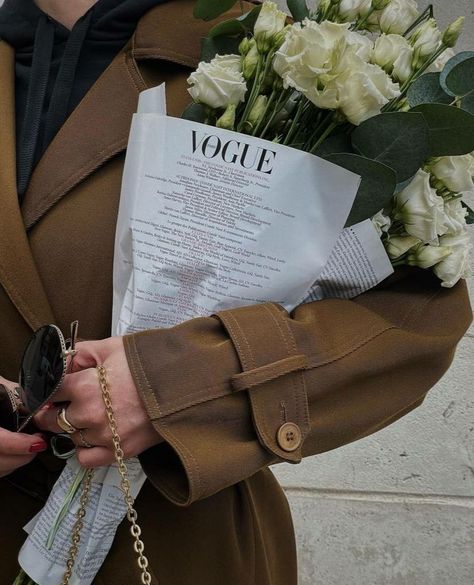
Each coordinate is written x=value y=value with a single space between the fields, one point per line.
x=218 y=389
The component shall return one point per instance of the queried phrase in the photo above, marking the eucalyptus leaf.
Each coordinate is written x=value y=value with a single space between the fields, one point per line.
x=470 y=215
x=460 y=80
x=467 y=103
x=400 y=140
x=337 y=143
x=195 y=113
x=237 y=26
x=450 y=65
x=210 y=9
x=218 y=45
x=427 y=90
x=376 y=188
x=451 y=129
x=298 y=9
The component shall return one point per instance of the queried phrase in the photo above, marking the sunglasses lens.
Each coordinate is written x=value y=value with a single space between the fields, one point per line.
x=42 y=367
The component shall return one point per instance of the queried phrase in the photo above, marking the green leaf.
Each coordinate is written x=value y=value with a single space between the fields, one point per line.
x=218 y=45
x=470 y=215
x=195 y=113
x=210 y=9
x=400 y=140
x=450 y=65
x=451 y=129
x=298 y=9
x=427 y=90
x=237 y=26
x=337 y=143
x=460 y=80
x=376 y=189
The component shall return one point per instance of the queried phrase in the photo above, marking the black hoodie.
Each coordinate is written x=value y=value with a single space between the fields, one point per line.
x=55 y=67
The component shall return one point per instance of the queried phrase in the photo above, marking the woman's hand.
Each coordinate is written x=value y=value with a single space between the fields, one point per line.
x=17 y=449
x=86 y=410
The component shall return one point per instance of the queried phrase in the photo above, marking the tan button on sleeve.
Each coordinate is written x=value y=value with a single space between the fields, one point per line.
x=255 y=386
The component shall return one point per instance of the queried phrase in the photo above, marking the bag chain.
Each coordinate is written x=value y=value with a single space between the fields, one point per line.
x=132 y=515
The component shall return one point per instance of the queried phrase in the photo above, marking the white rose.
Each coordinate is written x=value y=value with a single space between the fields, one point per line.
x=421 y=210
x=456 y=265
x=441 y=61
x=397 y=17
x=219 y=83
x=455 y=172
x=387 y=49
x=425 y=40
x=397 y=246
x=351 y=10
x=427 y=256
x=270 y=22
x=455 y=217
x=381 y=222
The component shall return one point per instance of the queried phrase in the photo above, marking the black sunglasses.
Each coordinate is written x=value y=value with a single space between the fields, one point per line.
x=43 y=367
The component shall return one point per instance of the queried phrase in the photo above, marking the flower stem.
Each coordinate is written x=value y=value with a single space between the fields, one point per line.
x=323 y=136
x=296 y=119
x=270 y=101
x=280 y=104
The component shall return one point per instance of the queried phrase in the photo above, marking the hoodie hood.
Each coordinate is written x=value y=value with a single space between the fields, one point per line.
x=55 y=66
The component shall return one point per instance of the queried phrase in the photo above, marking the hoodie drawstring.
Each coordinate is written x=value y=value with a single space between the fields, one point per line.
x=59 y=103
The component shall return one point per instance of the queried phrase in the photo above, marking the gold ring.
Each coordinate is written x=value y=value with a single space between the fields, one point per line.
x=84 y=443
x=63 y=423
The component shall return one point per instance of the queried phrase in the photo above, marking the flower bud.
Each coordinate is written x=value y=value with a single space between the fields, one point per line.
x=270 y=22
x=258 y=110
x=280 y=37
x=453 y=32
x=380 y=4
x=250 y=61
x=425 y=40
x=227 y=120
x=245 y=46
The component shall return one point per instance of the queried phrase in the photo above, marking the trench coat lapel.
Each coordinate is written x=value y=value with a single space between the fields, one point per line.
x=18 y=274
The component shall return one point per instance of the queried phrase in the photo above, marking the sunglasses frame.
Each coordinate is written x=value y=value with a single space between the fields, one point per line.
x=68 y=350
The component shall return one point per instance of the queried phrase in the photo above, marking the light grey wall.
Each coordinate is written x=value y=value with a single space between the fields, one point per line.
x=396 y=508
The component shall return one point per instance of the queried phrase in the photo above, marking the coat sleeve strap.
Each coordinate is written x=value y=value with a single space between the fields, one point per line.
x=272 y=374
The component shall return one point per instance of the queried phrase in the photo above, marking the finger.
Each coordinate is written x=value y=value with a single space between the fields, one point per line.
x=93 y=438
x=47 y=420
x=95 y=457
x=89 y=355
x=21 y=443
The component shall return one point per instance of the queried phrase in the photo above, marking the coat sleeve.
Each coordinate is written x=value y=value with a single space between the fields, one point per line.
x=235 y=392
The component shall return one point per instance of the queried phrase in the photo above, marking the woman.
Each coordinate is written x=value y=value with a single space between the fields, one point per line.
x=207 y=405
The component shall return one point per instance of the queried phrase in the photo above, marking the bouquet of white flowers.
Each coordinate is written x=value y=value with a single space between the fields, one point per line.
x=371 y=85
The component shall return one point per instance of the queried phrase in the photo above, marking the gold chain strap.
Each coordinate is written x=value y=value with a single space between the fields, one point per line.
x=132 y=515
x=76 y=531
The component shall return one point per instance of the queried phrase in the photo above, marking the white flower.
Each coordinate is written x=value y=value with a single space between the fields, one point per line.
x=397 y=17
x=270 y=22
x=397 y=246
x=387 y=49
x=455 y=217
x=395 y=55
x=219 y=83
x=427 y=256
x=403 y=66
x=362 y=90
x=351 y=10
x=456 y=265
x=425 y=40
x=381 y=222
x=421 y=210
x=329 y=64
x=455 y=172
x=441 y=61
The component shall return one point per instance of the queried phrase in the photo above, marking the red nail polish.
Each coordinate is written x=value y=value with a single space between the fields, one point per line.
x=38 y=447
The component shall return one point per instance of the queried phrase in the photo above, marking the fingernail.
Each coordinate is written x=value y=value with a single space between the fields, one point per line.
x=48 y=406
x=38 y=447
